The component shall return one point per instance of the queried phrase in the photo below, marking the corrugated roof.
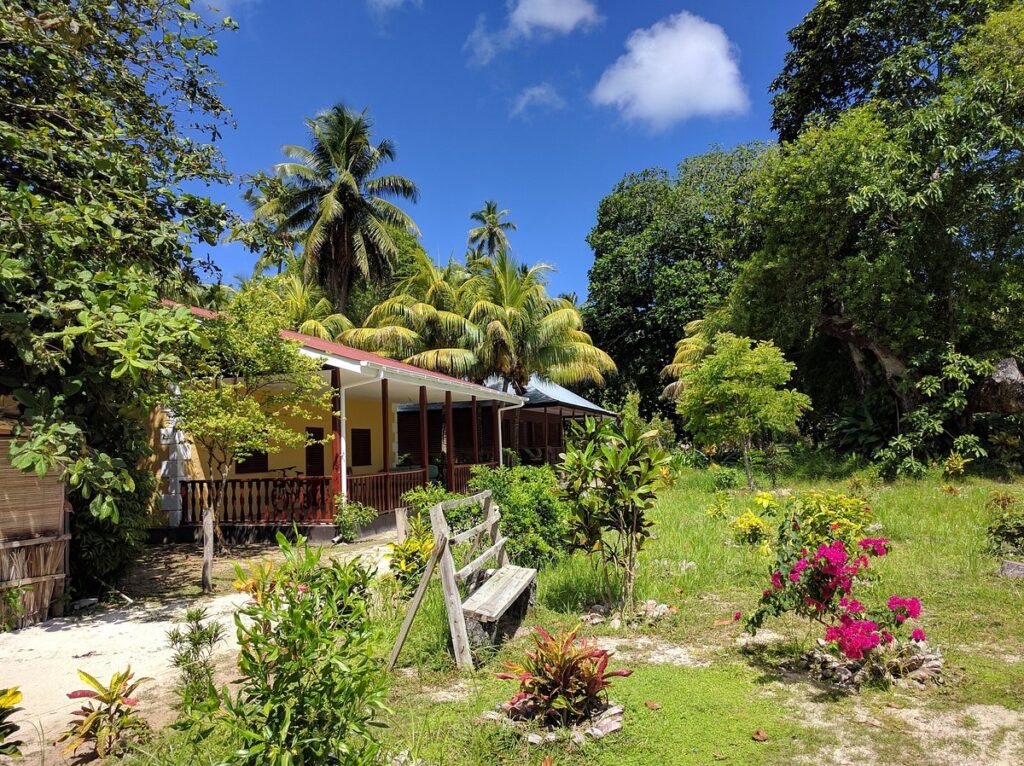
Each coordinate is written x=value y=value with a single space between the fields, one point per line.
x=540 y=393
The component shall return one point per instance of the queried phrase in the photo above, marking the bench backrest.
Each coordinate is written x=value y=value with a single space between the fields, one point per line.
x=486 y=529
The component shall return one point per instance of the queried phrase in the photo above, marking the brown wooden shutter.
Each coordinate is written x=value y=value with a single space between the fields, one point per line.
x=361 y=447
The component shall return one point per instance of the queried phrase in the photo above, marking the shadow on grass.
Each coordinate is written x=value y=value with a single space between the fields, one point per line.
x=779 y=662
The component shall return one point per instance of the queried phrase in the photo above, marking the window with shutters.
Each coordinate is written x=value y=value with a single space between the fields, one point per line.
x=361 y=447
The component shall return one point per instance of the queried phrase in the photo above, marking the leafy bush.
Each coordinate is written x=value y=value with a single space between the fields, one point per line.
x=954 y=465
x=421 y=499
x=310 y=690
x=109 y=723
x=750 y=529
x=351 y=517
x=817 y=518
x=723 y=478
x=193 y=646
x=719 y=508
x=12 y=607
x=408 y=559
x=9 y=698
x=610 y=475
x=1006 y=529
x=564 y=680
x=533 y=516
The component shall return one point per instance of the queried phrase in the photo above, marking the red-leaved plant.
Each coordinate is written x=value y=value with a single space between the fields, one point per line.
x=564 y=680
x=108 y=721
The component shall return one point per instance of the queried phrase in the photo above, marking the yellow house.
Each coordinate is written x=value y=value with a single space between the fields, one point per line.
x=393 y=427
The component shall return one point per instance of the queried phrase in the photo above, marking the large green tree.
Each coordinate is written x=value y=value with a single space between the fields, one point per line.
x=847 y=52
x=893 y=230
x=108 y=112
x=665 y=251
x=339 y=205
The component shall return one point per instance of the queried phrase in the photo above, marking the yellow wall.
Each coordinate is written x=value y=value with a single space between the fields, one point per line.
x=360 y=413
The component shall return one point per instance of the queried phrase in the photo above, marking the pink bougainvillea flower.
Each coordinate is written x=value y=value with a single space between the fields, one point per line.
x=917 y=634
x=851 y=605
x=904 y=608
x=854 y=637
x=877 y=545
x=766 y=593
x=797 y=570
x=737 y=616
x=887 y=636
x=777 y=581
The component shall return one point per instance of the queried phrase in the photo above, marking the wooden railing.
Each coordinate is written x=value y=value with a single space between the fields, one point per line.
x=461 y=474
x=384 y=491
x=299 y=499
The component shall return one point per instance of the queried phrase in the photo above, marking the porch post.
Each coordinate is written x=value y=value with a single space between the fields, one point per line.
x=336 y=447
x=449 y=439
x=385 y=417
x=424 y=448
x=476 y=436
x=344 y=444
x=547 y=446
x=496 y=432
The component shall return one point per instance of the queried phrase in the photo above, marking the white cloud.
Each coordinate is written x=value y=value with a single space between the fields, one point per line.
x=527 y=19
x=681 y=67
x=558 y=16
x=540 y=96
x=383 y=6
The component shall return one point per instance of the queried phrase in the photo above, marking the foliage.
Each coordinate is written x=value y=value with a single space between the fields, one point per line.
x=846 y=53
x=237 y=399
x=407 y=560
x=533 y=516
x=723 y=478
x=305 y=307
x=735 y=396
x=421 y=499
x=750 y=529
x=630 y=410
x=665 y=252
x=942 y=402
x=192 y=646
x=1006 y=527
x=106 y=107
x=351 y=517
x=954 y=465
x=9 y=699
x=108 y=723
x=12 y=607
x=610 y=477
x=563 y=681
x=310 y=690
x=335 y=202
x=815 y=518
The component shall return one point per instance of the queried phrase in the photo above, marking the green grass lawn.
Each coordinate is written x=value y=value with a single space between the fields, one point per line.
x=711 y=706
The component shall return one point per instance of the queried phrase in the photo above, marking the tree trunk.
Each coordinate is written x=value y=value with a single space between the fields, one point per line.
x=208 y=514
x=892 y=364
x=1001 y=392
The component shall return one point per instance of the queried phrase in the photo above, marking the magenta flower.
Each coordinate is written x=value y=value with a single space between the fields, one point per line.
x=917 y=634
x=904 y=608
x=797 y=570
x=851 y=605
x=854 y=637
x=879 y=546
x=777 y=581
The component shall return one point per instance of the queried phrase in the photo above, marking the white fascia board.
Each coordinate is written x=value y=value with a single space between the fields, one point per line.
x=425 y=379
x=333 y=360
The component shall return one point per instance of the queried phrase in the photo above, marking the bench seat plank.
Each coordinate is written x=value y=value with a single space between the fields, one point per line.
x=492 y=599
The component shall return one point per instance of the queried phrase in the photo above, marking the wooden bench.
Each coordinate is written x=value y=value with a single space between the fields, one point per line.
x=498 y=598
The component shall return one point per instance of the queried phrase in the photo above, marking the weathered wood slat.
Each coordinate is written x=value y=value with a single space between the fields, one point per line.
x=458 y=502
x=495 y=596
x=9 y=544
x=31 y=580
x=477 y=564
x=478 y=530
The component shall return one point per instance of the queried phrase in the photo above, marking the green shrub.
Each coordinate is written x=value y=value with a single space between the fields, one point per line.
x=533 y=517
x=421 y=499
x=750 y=529
x=723 y=478
x=1006 y=530
x=408 y=559
x=351 y=517
x=192 y=647
x=310 y=690
x=820 y=518
x=564 y=679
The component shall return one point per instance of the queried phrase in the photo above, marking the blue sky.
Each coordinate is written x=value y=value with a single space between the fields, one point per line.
x=542 y=105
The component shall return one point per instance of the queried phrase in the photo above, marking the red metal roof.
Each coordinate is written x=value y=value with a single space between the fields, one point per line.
x=339 y=349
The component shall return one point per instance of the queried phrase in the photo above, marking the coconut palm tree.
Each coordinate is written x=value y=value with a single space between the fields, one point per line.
x=490 y=236
x=424 y=320
x=307 y=309
x=339 y=205
x=525 y=331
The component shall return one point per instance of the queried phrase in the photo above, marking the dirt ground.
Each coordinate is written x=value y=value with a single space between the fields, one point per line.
x=43 y=660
